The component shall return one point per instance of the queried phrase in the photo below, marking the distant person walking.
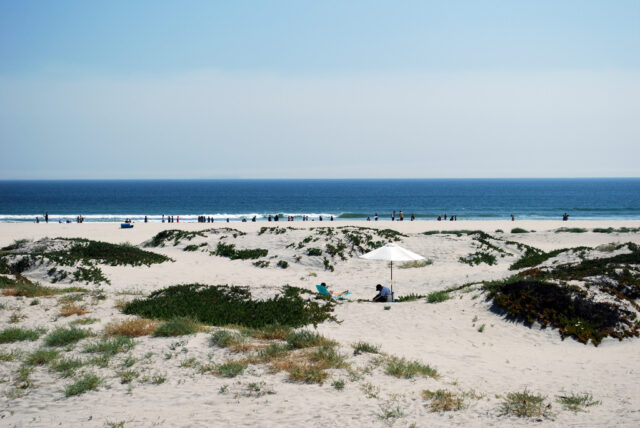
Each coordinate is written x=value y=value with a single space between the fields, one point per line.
x=512 y=218
x=46 y=217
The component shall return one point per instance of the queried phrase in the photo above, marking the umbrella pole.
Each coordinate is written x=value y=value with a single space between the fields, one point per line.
x=391 y=280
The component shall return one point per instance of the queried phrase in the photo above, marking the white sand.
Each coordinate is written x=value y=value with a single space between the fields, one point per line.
x=505 y=357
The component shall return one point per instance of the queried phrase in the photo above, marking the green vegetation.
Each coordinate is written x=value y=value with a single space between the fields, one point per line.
x=443 y=400
x=178 y=326
x=458 y=233
x=273 y=230
x=90 y=275
x=174 y=235
x=306 y=339
x=338 y=384
x=230 y=368
x=223 y=305
x=479 y=257
x=41 y=357
x=618 y=230
x=66 y=367
x=409 y=298
x=15 y=334
x=438 y=296
x=66 y=336
x=261 y=264
x=577 y=402
x=519 y=230
x=314 y=252
x=364 y=347
x=25 y=288
x=282 y=264
x=88 y=252
x=571 y=230
x=525 y=405
x=229 y=251
x=563 y=307
x=400 y=367
x=88 y=382
x=111 y=346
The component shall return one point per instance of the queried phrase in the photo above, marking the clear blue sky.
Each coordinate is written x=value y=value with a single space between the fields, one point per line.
x=155 y=89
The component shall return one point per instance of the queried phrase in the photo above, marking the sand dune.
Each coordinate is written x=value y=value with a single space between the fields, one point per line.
x=486 y=365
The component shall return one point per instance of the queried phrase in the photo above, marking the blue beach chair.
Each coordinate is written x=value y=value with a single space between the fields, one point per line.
x=323 y=290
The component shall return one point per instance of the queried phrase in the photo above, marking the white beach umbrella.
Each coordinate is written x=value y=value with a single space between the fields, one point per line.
x=393 y=253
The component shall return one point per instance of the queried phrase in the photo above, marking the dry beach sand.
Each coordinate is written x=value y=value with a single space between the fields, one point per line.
x=481 y=366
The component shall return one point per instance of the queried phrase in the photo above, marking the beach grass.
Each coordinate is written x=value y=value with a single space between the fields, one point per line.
x=364 y=347
x=178 y=326
x=438 y=296
x=16 y=334
x=66 y=336
x=525 y=405
x=444 y=401
x=66 y=367
x=400 y=367
x=41 y=357
x=110 y=346
x=577 y=402
x=133 y=327
x=88 y=382
x=306 y=339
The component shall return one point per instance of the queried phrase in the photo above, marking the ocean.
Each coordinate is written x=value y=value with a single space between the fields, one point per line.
x=344 y=199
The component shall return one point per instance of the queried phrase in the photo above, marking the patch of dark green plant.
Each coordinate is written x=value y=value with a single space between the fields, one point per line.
x=438 y=296
x=227 y=305
x=89 y=275
x=410 y=298
x=261 y=263
x=66 y=336
x=566 y=308
x=16 y=334
x=365 y=348
x=519 y=230
x=571 y=230
x=88 y=382
x=230 y=251
x=86 y=251
x=479 y=257
x=617 y=230
x=314 y=252
x=282 y=264
x=175 y=235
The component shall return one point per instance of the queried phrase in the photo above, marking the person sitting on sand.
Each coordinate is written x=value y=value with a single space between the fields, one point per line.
x=384 y=294
x=333 y=293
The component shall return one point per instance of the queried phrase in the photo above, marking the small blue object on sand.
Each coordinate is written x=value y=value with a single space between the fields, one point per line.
x=126 y=226
x=323 y=290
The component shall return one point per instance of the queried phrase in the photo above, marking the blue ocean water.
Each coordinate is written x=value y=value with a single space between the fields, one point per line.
x=113 y=200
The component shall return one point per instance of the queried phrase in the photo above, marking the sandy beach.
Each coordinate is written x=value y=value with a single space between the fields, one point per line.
x=479 y=354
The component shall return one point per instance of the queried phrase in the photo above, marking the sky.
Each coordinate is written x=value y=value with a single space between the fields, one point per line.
x=319 y=89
